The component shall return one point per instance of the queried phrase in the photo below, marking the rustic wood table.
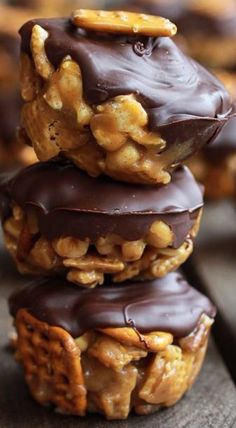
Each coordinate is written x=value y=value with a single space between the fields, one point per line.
x=212 y=401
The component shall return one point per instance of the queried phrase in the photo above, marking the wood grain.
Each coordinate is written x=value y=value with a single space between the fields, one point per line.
x=211 y=403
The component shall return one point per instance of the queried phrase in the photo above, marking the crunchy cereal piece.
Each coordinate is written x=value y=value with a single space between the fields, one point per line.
x=109 y=391
x=167 y=377
x=43 y=66
x=132 y=251
x=120 y=120
x=169 y=259
x=100 y=264
x=29 y=79
x=106 y=245
x=70 y=247
x=113 y=354
x=49 y=130
x=160 y=235
x=156 y=263
x=43 y=256
x=65 y=91
x=87 y=279
x=123 y=22
x=136 y=164
x=154 y=342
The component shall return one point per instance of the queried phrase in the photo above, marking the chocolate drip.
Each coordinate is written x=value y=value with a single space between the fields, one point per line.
x=167 y=304
x=184 y=101
x=67 y=202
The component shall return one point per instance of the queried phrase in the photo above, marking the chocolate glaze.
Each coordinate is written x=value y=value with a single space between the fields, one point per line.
x=184 y=101
x=188 y=20
x=168 y=304
x=67 y=202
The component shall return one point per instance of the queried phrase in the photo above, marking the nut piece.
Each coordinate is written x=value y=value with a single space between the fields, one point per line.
x=123 y=22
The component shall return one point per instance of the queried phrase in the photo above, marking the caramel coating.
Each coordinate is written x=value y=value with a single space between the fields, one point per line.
x=106 y=373
x=150 y=257
x=123 y=22
x=112 y=138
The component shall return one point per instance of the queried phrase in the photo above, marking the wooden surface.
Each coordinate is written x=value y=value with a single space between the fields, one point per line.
x=212 y=401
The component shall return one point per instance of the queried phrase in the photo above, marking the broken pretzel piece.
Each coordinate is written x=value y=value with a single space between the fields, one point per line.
x=123 y=22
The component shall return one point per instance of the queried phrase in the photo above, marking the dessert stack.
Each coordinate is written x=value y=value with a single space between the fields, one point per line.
x=111 y=107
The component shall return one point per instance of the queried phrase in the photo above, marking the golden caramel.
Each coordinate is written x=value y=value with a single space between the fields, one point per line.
x=111 y=138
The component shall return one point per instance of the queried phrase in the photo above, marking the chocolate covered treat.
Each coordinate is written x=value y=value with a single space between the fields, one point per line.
x=111 y=350
x=58 y=219
x=215 y=166
x=207 y=28
x=113 y=93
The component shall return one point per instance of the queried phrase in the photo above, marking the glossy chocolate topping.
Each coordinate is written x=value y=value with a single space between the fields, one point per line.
x=167 y=304
x=67 y=202
x=184 y=101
